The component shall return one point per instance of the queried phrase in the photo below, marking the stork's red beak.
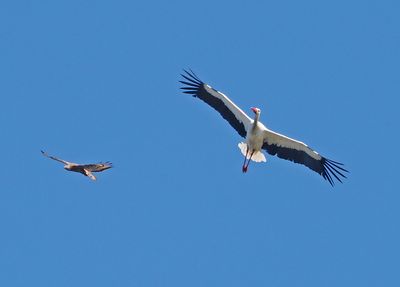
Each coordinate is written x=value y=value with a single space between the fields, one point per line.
x=254 y=110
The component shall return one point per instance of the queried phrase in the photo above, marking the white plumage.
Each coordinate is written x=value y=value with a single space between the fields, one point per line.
x=258 y=137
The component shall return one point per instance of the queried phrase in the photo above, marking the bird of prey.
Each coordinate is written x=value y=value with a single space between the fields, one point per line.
x=258 y=136
x=85 y=169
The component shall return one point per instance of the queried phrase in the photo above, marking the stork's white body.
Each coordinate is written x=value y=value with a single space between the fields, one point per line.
x=255 y=136
x=254 y=142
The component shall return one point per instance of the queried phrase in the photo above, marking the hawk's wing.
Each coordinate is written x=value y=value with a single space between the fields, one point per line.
x=89 y=174
x=96 y=167
x=55 y=158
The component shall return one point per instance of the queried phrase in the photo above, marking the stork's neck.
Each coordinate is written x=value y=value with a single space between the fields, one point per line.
x=256 y=120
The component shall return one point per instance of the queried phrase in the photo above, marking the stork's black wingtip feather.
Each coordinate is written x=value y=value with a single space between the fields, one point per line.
x=333 y=168
x=189 y=73
x=192 y=83
x=192 y=76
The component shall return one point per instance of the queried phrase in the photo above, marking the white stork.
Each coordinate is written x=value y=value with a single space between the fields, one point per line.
x=258 y=136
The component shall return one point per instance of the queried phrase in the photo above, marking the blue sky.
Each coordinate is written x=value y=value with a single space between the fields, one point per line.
x=93 y=81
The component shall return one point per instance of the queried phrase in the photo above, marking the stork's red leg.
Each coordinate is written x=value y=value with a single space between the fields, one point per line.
x=244 y=168
x=248 y=162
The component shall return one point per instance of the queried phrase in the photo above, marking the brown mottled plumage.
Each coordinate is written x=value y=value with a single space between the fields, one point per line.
x=85 y=169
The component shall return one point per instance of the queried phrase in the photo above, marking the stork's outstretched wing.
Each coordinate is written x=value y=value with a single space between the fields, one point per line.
x=97 y=167
x=238 y=119
x=55 y=158
x=298 y=152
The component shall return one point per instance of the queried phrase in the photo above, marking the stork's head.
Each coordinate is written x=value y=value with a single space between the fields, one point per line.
x=256 y=111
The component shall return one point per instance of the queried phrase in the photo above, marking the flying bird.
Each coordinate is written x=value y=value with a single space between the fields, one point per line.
x=257 y=136
x=85 y=169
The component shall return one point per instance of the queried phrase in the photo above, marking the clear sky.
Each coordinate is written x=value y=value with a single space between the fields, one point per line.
x=93 y=81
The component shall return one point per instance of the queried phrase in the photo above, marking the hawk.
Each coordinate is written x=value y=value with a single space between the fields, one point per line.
x=85 y=169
